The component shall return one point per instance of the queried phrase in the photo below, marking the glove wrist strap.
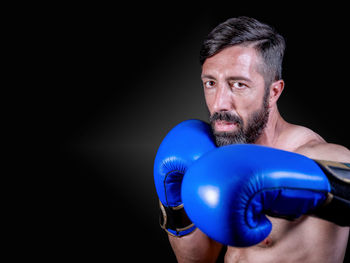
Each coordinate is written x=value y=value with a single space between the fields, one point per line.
x=337 y=206
x=175 y=221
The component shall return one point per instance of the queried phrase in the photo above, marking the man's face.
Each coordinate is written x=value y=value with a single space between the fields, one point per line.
x=235 y=95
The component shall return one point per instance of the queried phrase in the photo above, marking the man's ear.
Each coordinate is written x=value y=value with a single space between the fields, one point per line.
x=276 y=89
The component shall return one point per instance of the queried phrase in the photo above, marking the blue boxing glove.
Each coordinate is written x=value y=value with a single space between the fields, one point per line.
x=229 y=192
x=183 y=145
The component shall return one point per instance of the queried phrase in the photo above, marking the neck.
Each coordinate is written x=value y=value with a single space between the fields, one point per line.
x=273 y=128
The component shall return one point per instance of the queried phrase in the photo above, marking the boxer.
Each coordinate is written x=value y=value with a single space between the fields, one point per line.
x=241 y=72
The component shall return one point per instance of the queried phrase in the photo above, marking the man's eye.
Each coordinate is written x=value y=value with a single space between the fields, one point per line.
x=209 y=84
x=239 y=85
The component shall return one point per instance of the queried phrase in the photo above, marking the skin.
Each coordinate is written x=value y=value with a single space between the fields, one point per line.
x=232 y=83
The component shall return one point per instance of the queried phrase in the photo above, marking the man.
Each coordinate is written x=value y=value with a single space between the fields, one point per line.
x=241 y=73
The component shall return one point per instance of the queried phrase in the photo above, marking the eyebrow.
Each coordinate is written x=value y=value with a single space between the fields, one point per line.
x=208 y=76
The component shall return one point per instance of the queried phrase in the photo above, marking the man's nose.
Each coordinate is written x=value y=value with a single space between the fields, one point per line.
x=223 y=99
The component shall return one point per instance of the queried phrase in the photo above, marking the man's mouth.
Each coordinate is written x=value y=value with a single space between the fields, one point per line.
x=224 y=126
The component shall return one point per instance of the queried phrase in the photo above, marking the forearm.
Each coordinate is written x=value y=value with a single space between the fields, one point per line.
x=337 y=170
x=195 y=247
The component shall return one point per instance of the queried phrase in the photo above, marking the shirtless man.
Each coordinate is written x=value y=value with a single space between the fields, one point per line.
x=241 y=74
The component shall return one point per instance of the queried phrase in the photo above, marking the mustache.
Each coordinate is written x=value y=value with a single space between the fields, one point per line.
x=225 y=116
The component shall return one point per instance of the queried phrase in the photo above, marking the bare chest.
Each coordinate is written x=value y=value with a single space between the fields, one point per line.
x=301 y=241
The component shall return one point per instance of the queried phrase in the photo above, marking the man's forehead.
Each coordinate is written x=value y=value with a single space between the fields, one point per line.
x=241 y=57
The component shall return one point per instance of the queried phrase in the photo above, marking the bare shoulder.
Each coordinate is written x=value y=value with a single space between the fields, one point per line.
x=324 y=151
x=294 y=136
x=304 y=141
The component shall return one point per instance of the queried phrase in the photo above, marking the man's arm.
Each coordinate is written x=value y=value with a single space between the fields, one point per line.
x=325 y=151
x=195 y=247
x=333 y=160
x=181 y=147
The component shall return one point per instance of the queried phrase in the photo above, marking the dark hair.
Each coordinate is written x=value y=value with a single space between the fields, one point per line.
x=249 y=32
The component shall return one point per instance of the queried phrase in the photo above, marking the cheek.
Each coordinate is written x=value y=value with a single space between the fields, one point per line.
x=248 y=105
x=209 y=100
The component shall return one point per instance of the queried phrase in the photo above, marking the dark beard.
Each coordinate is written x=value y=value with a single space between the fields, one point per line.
x=255 y=125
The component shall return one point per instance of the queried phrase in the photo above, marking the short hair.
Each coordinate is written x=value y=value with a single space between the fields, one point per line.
x=248 y=31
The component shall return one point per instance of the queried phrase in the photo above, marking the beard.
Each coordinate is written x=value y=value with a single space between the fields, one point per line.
x=256 y=123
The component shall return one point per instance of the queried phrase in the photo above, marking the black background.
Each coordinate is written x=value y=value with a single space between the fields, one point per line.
x=118 y=78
